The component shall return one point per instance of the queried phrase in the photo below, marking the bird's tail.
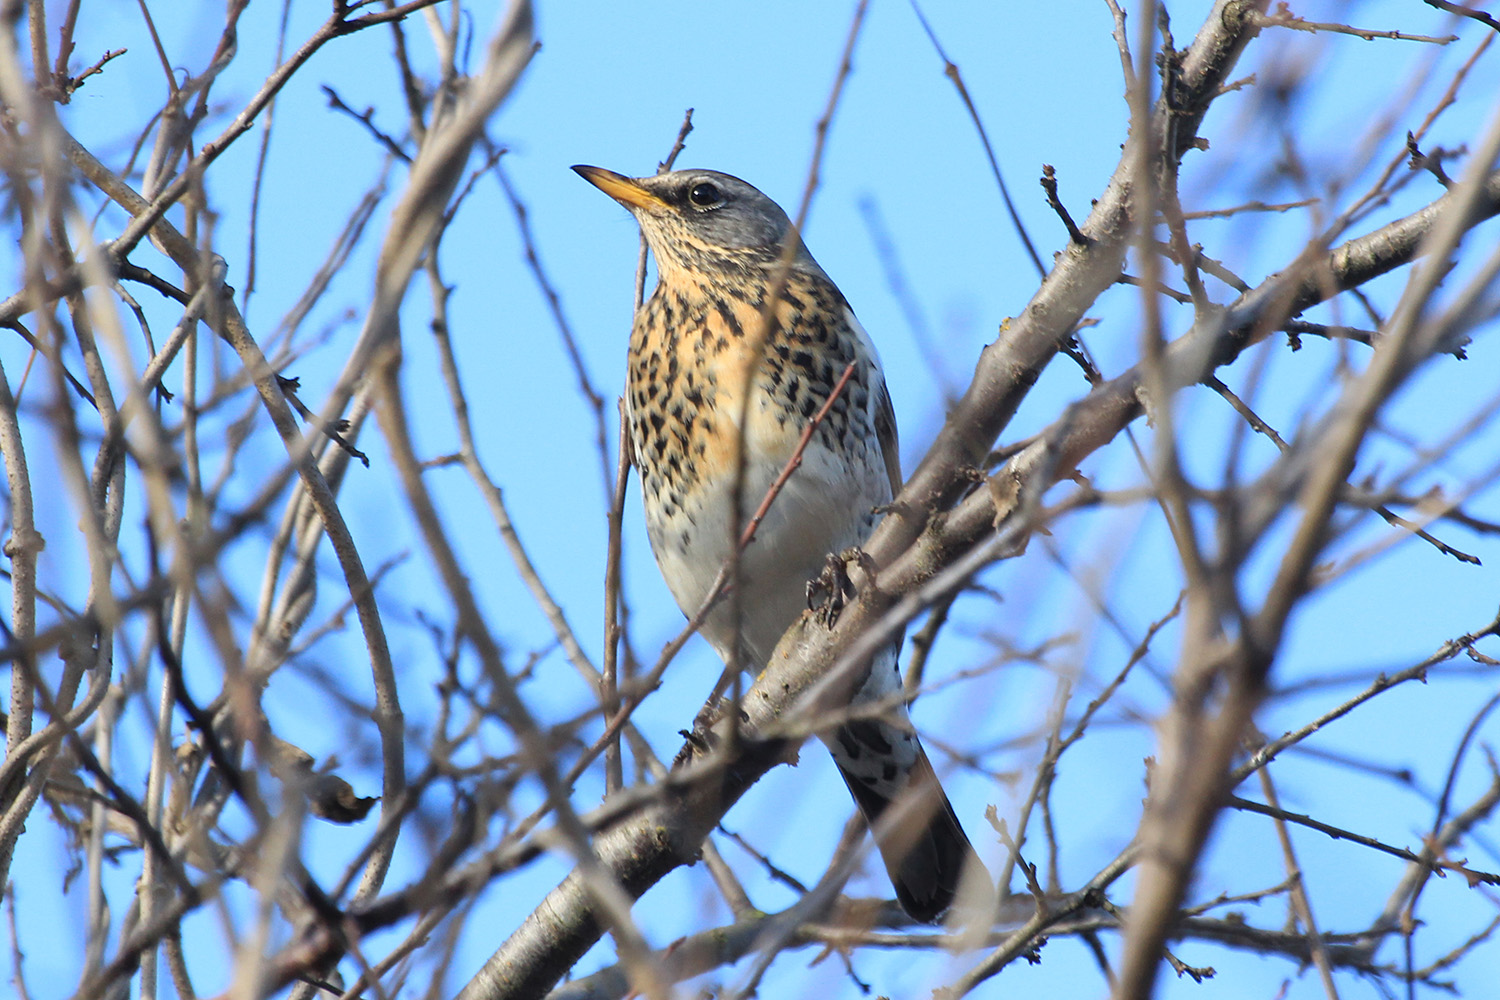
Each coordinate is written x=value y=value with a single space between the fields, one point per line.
x=925 y=849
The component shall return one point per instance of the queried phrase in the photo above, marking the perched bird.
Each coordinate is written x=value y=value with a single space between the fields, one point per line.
x=698 y=346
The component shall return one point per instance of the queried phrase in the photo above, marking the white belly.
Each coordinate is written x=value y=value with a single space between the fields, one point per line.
x=825 y=507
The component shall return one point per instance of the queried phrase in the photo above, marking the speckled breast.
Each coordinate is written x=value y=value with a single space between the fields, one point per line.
x=701 y=366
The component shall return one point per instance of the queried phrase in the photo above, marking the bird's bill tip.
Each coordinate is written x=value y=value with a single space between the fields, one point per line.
x=626 y=190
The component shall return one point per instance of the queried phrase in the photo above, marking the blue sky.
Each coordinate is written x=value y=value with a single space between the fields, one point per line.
x=609 y=87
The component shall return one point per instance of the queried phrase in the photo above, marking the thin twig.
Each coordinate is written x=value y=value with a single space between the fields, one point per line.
x=951 y=71
x=1049 y=184
x=795 y=462
x=1284 y=18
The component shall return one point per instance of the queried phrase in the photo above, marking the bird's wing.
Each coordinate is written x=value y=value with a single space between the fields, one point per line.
x=883 y=414
x=885 y=434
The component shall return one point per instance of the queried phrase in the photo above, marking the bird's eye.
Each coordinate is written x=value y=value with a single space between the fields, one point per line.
x=705 y=194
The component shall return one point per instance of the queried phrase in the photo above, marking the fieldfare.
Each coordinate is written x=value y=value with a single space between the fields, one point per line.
x=699 y=345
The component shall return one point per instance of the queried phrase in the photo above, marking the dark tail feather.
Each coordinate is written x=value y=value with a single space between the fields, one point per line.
x=925 y=849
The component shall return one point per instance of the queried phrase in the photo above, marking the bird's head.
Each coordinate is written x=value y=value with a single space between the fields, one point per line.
x=698 y=220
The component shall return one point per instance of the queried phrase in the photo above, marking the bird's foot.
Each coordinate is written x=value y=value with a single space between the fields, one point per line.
x=703 y=722
x=699 y=740
x=831 y=590
x=866 y=563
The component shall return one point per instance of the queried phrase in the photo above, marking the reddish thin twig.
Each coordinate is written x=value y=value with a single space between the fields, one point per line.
x=796 y=460
x=615 y=612
x=716 y=591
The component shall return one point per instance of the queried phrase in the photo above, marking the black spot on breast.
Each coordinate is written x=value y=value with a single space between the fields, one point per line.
x=731 y=323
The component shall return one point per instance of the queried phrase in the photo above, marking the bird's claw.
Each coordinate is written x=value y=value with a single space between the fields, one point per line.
x=830 y=590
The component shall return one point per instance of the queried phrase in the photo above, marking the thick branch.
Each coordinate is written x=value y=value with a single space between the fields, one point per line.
x=1011 y=365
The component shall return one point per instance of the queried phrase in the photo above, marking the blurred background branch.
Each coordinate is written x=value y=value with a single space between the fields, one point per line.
x=283 y=724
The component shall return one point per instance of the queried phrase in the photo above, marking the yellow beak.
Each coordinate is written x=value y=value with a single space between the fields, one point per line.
x=626 y=190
